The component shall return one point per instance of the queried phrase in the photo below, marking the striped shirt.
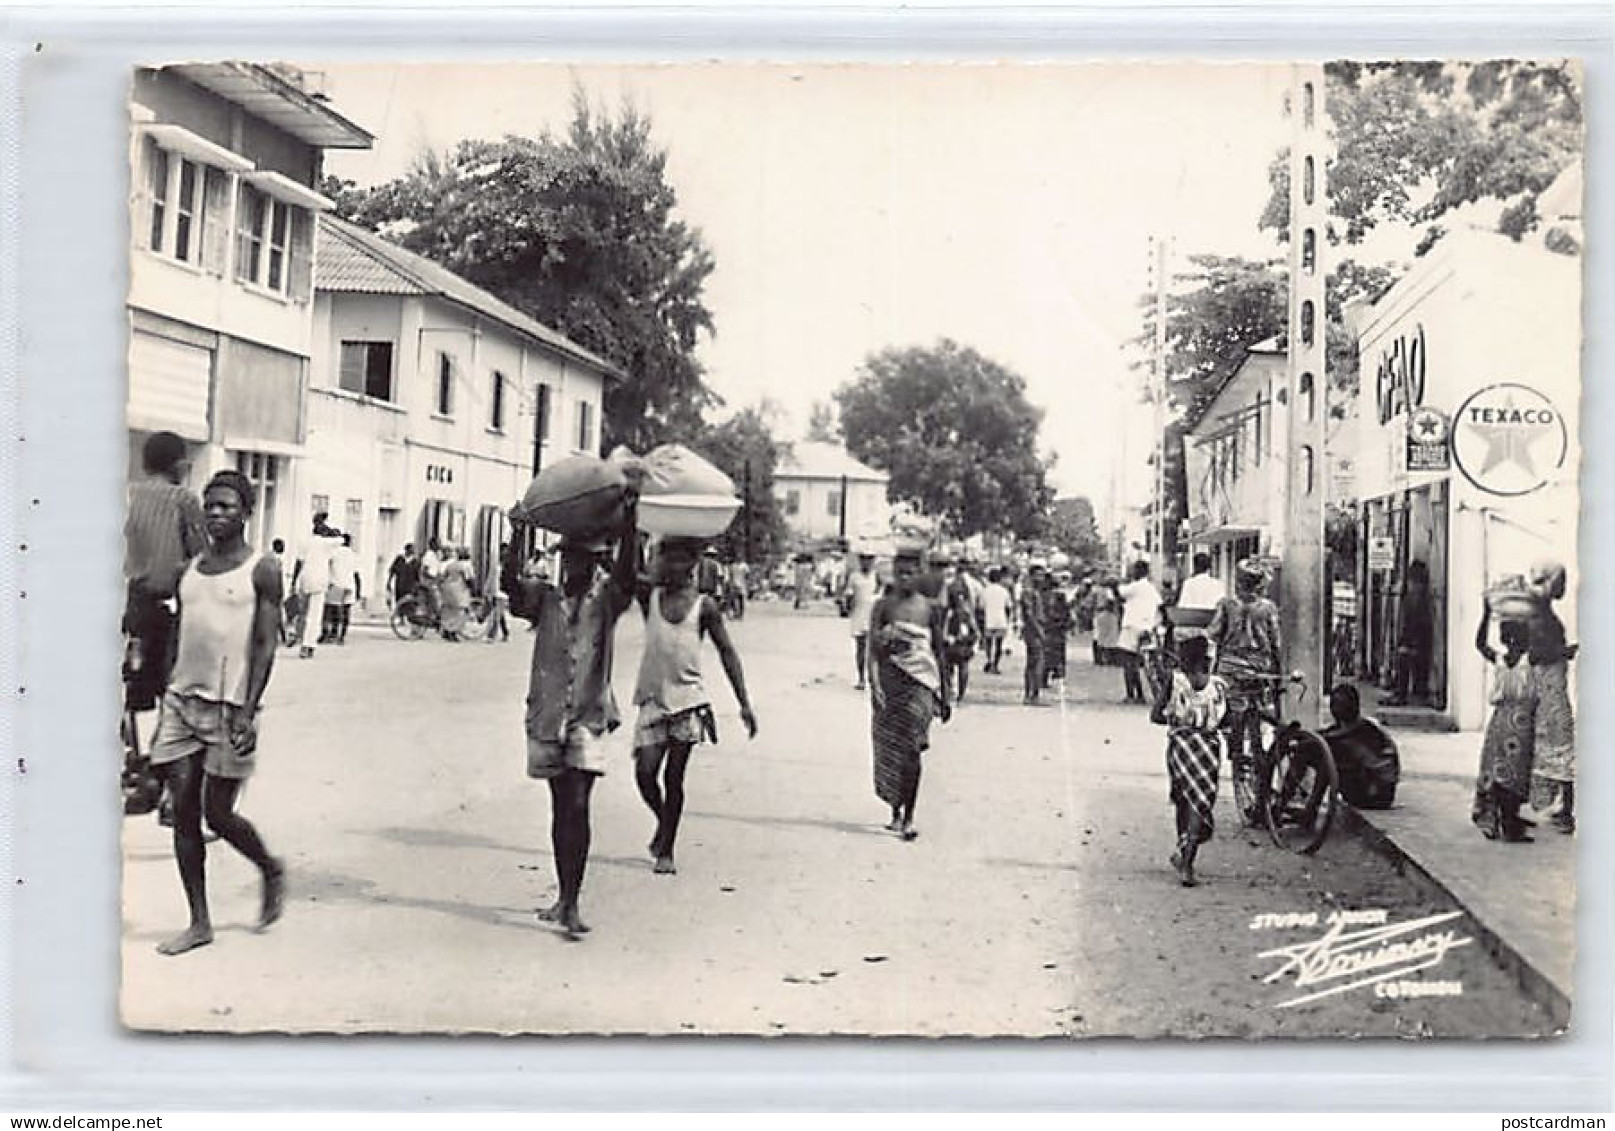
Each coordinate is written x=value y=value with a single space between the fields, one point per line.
x=162 y=532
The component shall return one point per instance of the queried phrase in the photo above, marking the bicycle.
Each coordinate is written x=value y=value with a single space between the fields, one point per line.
x=1292 y=783
x=411 y=619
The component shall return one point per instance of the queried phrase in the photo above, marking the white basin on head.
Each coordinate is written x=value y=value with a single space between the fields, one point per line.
x=686 y=516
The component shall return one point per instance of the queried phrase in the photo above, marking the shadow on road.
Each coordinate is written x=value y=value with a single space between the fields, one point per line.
x=792 y=822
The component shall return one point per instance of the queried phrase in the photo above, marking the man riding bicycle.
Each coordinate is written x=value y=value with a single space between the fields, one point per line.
x=1244 y=630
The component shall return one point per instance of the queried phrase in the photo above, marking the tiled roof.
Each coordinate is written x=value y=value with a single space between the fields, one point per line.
x=813 y=459
x=355 y=261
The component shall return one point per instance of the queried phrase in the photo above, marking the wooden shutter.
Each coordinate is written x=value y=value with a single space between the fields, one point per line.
x=301 y=253
x=215 y=220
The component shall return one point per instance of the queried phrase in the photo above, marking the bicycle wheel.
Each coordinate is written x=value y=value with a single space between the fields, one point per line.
x=1302 y=791
x=405 y=626
x=1247 y=788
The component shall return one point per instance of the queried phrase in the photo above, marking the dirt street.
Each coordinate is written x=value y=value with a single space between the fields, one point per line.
x=1037 y=900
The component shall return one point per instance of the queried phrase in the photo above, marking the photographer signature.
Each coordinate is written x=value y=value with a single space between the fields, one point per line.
x=1343 y=959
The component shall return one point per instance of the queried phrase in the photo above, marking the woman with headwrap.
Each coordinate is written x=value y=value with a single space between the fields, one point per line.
x=1554 y=771
x=1191 y=704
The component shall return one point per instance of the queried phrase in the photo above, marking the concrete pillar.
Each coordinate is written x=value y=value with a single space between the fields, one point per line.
x=1303 y=599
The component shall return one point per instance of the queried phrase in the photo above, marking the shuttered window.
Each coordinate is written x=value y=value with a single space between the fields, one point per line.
x=251 y=212
x=367 y=369
x=496 y=397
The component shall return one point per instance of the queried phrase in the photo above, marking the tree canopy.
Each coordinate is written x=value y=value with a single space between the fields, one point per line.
x=955 y=432
x=580 y=232
x=1416 y=140
x=1072 y=527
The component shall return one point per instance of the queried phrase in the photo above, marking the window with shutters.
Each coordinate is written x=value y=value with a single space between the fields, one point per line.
x=176 y=187
x=366 y=368
x=832 y=504
x=445 y=385
x=585 y=426
x=157 y=190
x=274 y=244
x=280 y=236
x=496 y=400
x=251 y=214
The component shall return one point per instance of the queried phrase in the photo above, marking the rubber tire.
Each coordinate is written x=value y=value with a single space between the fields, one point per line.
x=1325 y=792
x=404 y=627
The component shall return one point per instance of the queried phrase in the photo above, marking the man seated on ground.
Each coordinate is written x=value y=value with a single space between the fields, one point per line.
x=1365 y=755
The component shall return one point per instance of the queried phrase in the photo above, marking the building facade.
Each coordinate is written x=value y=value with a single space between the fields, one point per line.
x=1235 y=466
x=1467 y=455
x=224 y=158
x=428 y=401
x=825 y=494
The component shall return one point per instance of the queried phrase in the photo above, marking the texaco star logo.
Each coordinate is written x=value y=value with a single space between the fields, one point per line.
x=1428 y=426
x=1508 y=439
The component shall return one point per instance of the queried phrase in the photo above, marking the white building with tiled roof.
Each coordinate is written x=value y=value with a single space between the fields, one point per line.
x=815 y=482
x=425 y=399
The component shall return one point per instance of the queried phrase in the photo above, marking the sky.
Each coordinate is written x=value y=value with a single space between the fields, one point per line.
x=856 y=207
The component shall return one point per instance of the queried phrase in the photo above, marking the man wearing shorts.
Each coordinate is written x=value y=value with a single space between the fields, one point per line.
x=207 y=739
x=570 y=705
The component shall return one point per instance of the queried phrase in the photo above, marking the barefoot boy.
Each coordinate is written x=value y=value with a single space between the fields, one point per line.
x=675 y=712
x=570 y=705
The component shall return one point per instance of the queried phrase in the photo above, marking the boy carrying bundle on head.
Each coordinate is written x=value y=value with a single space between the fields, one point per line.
x=675 y=711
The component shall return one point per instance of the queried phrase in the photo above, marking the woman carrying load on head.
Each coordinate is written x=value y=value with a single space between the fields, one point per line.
x=1554 y=770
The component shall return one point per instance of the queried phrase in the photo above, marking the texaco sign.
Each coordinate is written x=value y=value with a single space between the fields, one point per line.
x=1509 y=439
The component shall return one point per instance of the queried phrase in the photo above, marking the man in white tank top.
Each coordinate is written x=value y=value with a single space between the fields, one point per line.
x=675 y=712
x=207 y=740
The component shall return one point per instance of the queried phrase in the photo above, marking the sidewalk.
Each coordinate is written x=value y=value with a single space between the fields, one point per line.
x=1521 y=898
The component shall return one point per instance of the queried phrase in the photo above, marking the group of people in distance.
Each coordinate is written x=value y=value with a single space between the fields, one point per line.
x=442 y=582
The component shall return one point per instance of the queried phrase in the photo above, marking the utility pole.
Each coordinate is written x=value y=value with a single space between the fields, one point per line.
x=843 y=509
x=745 y=513
x=1158 y=392
x=1303 y=593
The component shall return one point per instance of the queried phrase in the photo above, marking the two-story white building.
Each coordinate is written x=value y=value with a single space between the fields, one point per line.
x=224 y=159
x=826 y=494
x=425 y=399
x=1234 y=457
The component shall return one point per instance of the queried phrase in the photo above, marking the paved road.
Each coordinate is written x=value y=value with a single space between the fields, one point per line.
x=1037 y=900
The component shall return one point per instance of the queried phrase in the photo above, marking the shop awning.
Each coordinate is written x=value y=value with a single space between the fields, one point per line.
x=1222 y=534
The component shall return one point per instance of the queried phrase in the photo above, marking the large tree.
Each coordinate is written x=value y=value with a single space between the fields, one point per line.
x=956 y=434
x=1416 y=140
x=1229 y=305
x=1072 y=527
x=581 y=232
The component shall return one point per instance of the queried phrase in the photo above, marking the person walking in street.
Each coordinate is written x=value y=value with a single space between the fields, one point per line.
x=1141 y=611
x=862 y=587
x=277 y=550
x=1244 y=631
x=959 y=633
x=1107 y=623
x=1191 y=704
x=907 y=689
x=1034 y=632
x=1508 y=750
x=570 y=704
x=345 y=588
x=1056 y=627
x=163 y=531
x=498 y=604
x=312 y=578
x=995 y=606
x=1554 y=770
x=431 y=576
x=207 y=739
x=804 y=580
x=454 y=594
x=1200 y=594
x=675 y=712
x=403 y=576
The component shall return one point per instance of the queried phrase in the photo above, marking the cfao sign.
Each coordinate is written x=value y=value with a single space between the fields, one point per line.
x=1399 y=375
x=1509 y=439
